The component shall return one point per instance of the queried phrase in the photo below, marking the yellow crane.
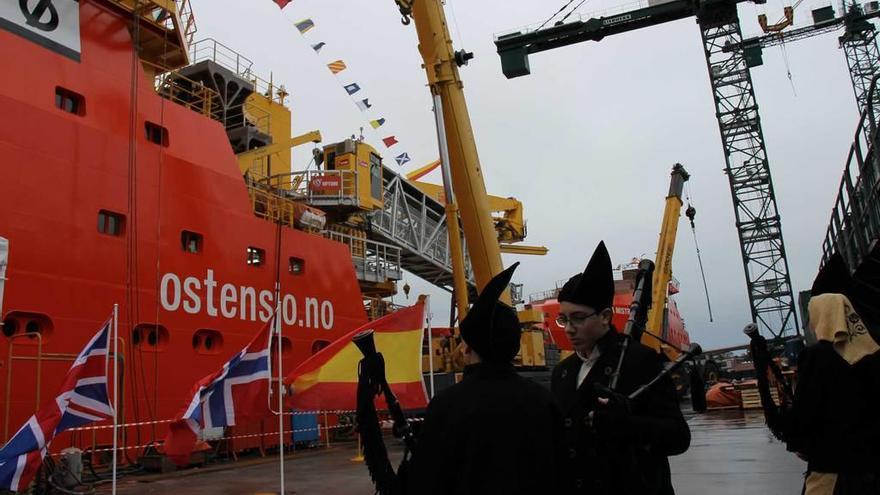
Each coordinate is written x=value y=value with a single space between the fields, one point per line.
x=510 y=226
x=663 y=261
x=441 y=65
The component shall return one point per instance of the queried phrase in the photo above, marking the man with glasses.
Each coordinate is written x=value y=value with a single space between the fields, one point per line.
x=613 y=445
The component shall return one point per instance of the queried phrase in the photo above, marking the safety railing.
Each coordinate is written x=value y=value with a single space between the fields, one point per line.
x=183 y=91
x=373 y=261
x=248 y=114
x=187 y=21
x=266 y=203
x=376 y=307
x=318 y=187
x=222 y=55
x=855 y=219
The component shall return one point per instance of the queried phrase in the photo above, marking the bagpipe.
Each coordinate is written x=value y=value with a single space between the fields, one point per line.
x=371 y=383
x=635 y=329
x=776 y=416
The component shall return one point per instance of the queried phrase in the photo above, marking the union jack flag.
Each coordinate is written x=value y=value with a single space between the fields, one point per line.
x=235 y=394
x=83 y=400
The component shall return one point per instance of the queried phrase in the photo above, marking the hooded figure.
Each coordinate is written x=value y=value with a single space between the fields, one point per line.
x=835 y=422
x=493 y=432
x=615 y=447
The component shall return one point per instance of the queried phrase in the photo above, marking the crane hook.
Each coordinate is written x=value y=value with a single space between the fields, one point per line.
x=690 y=212
x=405 y=11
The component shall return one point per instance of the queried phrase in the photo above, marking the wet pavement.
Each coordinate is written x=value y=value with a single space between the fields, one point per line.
x=731 y=453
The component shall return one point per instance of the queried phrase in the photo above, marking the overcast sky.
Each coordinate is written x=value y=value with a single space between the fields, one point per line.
x=587 y=141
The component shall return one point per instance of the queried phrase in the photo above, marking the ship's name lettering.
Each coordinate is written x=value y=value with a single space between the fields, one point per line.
x=195 y=295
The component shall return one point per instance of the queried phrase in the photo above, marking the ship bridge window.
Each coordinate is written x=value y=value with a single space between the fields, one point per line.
x=111 y=223
x=256 y=256
x=296 y=266
x=150 y=337
x=207 y=341
x=156 y=133
x=70 y=101
x=191 y=242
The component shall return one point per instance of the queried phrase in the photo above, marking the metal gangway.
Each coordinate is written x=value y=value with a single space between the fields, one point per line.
x=411 y=220
x=854 y=228
x=416 y=222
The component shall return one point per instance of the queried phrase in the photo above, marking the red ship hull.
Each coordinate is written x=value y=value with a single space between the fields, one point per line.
x=59 y=170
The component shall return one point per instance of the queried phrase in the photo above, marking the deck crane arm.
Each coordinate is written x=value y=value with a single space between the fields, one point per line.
x=663 y=261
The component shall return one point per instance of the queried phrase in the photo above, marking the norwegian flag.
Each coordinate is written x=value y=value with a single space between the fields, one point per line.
x=83 y=400
x=236 y=394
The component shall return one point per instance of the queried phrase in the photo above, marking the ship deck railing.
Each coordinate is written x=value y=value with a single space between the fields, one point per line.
x=855 y=219
x=376 y=307
x=270 y=205
x=224 y=56
x=373 y=261
x=182 y=90
x=320 y=188
x=170 y=28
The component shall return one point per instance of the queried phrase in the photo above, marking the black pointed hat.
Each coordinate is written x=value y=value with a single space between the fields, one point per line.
x=491 y=327
x=595 y=286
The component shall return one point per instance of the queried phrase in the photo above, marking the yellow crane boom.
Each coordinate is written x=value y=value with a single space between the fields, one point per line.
x=441 y=66
x=663 y=261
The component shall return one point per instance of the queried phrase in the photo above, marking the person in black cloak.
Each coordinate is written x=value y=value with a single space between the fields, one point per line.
x=494 y=432
x=613 y=446
x=834 y=421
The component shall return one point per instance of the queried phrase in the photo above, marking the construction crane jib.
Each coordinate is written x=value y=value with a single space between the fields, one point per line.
x=757 y=218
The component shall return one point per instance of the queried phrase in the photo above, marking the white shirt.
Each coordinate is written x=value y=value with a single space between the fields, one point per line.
x=587 y=364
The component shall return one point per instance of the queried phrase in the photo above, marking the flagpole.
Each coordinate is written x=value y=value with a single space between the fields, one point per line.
x=115 y=334
x=430 y=345
x=280 y=389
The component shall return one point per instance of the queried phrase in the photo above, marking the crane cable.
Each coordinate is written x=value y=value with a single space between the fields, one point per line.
x=556 y=14
x=691 y=212
x=572 y=11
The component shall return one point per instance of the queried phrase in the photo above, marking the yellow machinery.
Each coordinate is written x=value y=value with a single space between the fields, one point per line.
x=510 y=227
x=441 y=66
x=360 y=171
x=269 y=113
x=663 y=261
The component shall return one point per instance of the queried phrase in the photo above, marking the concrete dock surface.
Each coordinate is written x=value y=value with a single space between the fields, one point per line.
x=731 y=453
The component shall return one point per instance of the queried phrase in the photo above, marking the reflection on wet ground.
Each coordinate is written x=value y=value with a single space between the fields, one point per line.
x=732 y=453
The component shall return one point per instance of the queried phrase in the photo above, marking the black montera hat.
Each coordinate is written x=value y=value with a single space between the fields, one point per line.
x=595 y=286
x=491 y=327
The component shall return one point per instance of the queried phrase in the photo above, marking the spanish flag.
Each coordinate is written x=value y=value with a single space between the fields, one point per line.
x=328 y=380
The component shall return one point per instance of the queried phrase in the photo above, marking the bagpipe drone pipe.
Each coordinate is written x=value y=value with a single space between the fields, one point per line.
x=371 y=383
x=635 y=329
x=776 y=416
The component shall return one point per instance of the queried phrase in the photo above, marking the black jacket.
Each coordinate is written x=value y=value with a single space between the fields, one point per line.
x=624 y=453
x=835 y=418
x=494 y=432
